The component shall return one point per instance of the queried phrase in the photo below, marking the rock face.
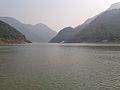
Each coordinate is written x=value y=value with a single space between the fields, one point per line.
x=9 y=35
x=106 y=27
x=34 y=33
x=64 y=35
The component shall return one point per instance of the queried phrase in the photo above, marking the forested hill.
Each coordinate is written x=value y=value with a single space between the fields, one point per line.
x=9 y=35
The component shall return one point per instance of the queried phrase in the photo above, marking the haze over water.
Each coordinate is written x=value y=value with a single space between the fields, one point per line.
x=60 y=67
x=57 y=14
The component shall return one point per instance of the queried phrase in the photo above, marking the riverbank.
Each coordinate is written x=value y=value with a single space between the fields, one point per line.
x=12 y=41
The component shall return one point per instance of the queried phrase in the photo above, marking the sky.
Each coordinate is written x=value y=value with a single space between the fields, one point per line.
x=56 y=14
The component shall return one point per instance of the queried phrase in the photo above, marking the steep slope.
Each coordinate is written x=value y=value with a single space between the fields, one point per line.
x=115 y=6
x=105 y=28
x=76 y=30
x=96 y=29
x=9 y=34
x=34 y=33
x=68 y=33
x=63 y=35
x=89 y=20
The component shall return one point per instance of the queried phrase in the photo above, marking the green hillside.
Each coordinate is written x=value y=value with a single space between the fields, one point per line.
x=9 y=34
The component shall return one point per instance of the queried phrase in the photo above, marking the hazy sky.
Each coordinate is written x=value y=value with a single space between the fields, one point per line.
x=57 y=14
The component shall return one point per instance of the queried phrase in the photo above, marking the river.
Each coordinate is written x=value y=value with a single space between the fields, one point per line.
x=60 y=67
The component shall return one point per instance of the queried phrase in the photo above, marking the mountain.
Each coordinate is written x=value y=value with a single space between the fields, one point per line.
x=34 y=33
x=68 y=33
x=63 y=35
x=104 y=28
x=40 y=32
x=89 y=20
x=115 y=6
x=9 y=35
x=72 y=33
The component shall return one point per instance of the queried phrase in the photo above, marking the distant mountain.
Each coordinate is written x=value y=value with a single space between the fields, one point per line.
x=115 y=6
x=63 y=35
x=34 y=33
x=9 y=35
x=105 y=28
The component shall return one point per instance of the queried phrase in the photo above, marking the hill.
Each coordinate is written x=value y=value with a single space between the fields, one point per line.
x=105 y=28
x=34 y=33
x=9 y=35
x=63 y=35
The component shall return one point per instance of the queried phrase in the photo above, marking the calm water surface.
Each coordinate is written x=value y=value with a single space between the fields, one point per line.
x=60 y=67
